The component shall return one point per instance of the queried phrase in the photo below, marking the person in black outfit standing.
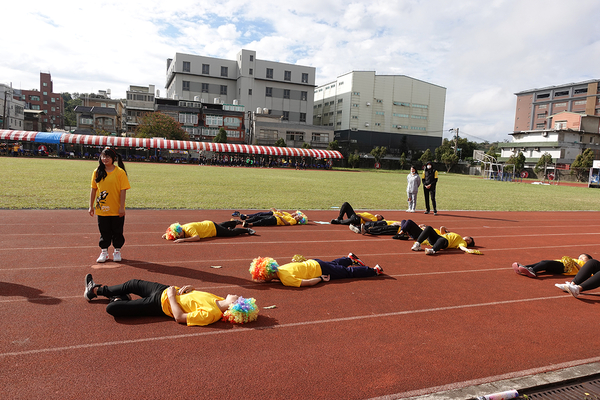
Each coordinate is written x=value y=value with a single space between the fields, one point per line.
x=430 y=178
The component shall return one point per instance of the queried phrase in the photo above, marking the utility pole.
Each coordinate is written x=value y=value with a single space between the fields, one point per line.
x=456 y=141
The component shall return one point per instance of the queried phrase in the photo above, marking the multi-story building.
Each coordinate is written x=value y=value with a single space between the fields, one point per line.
x=202 y=121
x=368 y=110
x=284 y=90
x=46 y=100
x=267 y=129
x=99 y=113
x=140 y=101
x=11 y=109
x=562 y=121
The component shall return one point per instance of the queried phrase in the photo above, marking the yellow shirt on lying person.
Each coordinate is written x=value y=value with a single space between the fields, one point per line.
x=291 y=274
x=288 y=218
x=201 y=307
x=572 y=265
x=204 y=229
x=365 y=216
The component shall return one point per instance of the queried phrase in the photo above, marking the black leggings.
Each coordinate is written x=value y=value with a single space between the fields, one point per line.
x=436 y=241
x=584 y=277
x=550 y=266
x=262 y=220
x=228 y=228
x=353 y=218
x=148 y=305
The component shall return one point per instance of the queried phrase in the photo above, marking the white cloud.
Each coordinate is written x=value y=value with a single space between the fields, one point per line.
x=481 y=52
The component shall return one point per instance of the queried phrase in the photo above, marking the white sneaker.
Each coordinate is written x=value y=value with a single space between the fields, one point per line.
x=117 y=256
x=573 y=289
x=354 y=228
x=103 y=256
x=416 y=247
x=562 y=286
x=429 y=251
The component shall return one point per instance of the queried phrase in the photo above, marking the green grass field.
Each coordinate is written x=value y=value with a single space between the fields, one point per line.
x=37 y=183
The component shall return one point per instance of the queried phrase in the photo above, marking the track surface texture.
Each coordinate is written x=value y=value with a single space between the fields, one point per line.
x=430 y=323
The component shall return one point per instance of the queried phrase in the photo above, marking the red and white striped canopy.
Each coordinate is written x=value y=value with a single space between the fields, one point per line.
x=92 y=140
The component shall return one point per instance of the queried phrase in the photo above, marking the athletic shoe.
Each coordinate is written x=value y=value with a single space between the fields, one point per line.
x=573 y=289
x=527 y=272
x=89 y=288
x=416 y=247
x=426 y=212
x=235 y=214
x=429 y=251
x=363 y=229
x=412 y=211
x=408 y=210
x=435 y=213
x=103 y=256
x=563 y=286
x=355 y=259
x=335 y=221
x=515 y=267
x=400 y=236
x=354 y=228
x=378 y=269
x=251 y=231
x=117 y=256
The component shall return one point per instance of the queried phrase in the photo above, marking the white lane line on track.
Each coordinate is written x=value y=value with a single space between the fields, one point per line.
x=290 y=325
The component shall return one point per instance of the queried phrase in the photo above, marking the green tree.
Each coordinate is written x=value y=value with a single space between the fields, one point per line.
x=542 y=163
x=221 y=137
x=402 y=160
x=70 y=102
x=353 y=159
x=426 y=157
x=582 y=164
x=306 y=145
x=493 y=151
x=516 y=163
x=378 y=153
x=449 y=158
x=280 y=143
x=157 y=124
x=335 y=146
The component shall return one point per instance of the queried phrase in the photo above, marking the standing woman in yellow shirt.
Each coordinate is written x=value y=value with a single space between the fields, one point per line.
x=107 y=201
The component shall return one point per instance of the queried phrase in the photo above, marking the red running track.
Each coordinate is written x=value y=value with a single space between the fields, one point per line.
x=431 y=323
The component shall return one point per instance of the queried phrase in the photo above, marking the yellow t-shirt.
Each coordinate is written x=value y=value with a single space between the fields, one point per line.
x=454 y=240
x=108 y=194
x=572 y=265
x=201 y=307
x=292 y=274
x=365 y=216
x=204 y=229
x=287 y=217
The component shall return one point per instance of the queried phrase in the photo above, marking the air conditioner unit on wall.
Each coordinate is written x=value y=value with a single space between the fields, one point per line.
x=545 y=134
x=366 y=124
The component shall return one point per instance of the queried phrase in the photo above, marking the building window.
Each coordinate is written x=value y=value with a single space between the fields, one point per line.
x=269 y=92
x=53 y=100
x=542 y=96
x=250 y=71
x=223 y=90
x=250 y=92
x=302 y=117
x=540 y=116
x=304 y=78
x=294 y=136
x=562 y=93
x=251 y=57
x=187 y=66
x=270 y=73
x=287 y=75
x=286 y=93
x=379 y=113
x=303 y=96
x=224 y=71
x=205 y=88
x=540 y=126
x=186 y=86
x=45 y=93
x=286 y=116
x=205 y=69
x=580 y=91
x=542 y=106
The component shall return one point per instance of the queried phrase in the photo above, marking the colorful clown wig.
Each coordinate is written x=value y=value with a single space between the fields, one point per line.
x=242 y=311
x=303 y=218
x=175 y=231
x=263 y=269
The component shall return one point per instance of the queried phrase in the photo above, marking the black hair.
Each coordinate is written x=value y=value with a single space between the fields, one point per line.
x=101 y=170
x=588 y=256
x=472 y=241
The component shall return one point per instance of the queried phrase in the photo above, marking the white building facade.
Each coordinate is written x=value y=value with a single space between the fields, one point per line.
x=396 y=111
x=11 y=109
x=283 y=90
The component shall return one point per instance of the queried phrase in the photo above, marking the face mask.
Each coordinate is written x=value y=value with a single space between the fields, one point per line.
x=429 y=167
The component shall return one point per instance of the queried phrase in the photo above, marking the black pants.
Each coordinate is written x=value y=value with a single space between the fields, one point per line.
x=227 y=229
x=148 y=305
x=262 y=220
x=584 y=277
x=550 y=266
x=380 y=228
x=111 y=231
x=348 y=211
x=429 y=192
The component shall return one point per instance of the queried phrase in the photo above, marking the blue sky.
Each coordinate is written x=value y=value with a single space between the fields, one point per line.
x=482 y=52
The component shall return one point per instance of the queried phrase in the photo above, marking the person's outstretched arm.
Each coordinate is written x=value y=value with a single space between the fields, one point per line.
x=314 y=281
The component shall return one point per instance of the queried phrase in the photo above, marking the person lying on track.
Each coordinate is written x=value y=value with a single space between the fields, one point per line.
x=354 y=218
x=303 y=272
x=194 y=231
x=588 y=278
x=271 y=218
x=438 y=240
x=186 y=304
x=566 y=265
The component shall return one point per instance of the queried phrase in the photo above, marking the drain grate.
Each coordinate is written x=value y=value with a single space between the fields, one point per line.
x=576 y=390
